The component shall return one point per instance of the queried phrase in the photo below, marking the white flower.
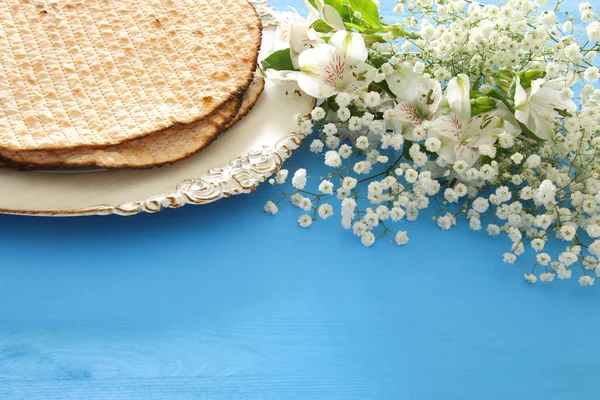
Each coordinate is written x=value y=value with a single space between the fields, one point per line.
x=318 y=114
x=401 y=238
x=546 y=192
x=419 y=96
x=343 y=100
x=330 y=14
x=533 y=161
x=367 y=239
x=547 y=277
x=326 y=187
x=345 y=151
x=531 y=278
x=592 y=74
x=493 y=230
x=281 y=176
x=509 y=258
x=336 y=67
x=362 y=143
x=450 y=195
x=372 y=99
x=330 y=129
x=595 y=248
x=563 y=273
x=344 y=114
x=567 y=258
x=355 y=123
x=446 y=222
x=568 y=232
x=462 y=140
x=481 y=205
x=475 y=224
x=299 y=179
x=332 y=142
x=586 y=281
x=349 y=183
x=517 y=158
x=538 y=244
x=305 y=203
x=458 y=95
x=271 y=208
x=539 y=106
x=543 y=258
x=316 y=146
x=433 y=144
x=325 y=211
x=293 y=32
x=593 y=31
x=305 y=221
x=396 y=214
x=333 y=159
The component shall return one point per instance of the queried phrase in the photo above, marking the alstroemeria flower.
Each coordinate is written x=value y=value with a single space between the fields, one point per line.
x=294 y=32
x=419 y=98
x=285 y=81
x=462 y=139
x=539 y=106
x=330 y=14
x=327 y=70
x=458 y=95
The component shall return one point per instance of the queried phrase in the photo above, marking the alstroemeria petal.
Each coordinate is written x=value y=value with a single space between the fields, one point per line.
x=521 y=106
x=408 y=112
x=352 y=45
x=458 y=94
x=405 y=84
x=315 y=87
x=332 y=18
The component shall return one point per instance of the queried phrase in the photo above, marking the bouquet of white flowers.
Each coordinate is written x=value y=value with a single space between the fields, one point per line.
x=467 y=106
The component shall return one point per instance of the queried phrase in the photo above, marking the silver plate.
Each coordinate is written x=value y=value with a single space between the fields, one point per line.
x=237 y=162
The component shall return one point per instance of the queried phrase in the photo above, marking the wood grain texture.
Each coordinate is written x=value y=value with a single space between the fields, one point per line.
x=222 y=302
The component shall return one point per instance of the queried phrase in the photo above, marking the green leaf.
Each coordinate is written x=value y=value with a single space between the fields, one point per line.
x=321 y=26
x=406 y=150
x=313 y=3
x=280 y=61
x=369 y=11
x=342 y=7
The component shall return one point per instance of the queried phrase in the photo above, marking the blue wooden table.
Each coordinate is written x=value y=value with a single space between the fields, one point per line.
x=224 y=302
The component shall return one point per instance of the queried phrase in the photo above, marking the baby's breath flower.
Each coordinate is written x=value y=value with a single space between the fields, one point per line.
x=305 y=221
x=401 y=238
x=281 y=176
x=367 y=239
x=362 y=143
x=325 y=211
x=318 y=114
x=333 y=159
x=271 y=208
x=343 y=100
x=316 y=146
x=299 y=179
x=530 y=278
x=372 y=99
x=586 y=281
x=326 y=187
x=509 y=258
x=355 y=124
x=344 y=114
x=330 y=129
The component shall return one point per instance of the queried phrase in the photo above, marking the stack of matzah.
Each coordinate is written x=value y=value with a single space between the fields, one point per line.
x=122 y=83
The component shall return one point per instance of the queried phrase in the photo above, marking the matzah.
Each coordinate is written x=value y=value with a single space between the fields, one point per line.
x=92 y=73
x=167 y=146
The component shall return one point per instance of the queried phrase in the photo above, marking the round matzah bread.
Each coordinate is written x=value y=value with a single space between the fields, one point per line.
x=170 y=145
x=91 y=73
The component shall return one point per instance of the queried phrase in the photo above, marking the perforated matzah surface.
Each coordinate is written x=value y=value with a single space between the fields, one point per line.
x=170 y=145
x=85 y=73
